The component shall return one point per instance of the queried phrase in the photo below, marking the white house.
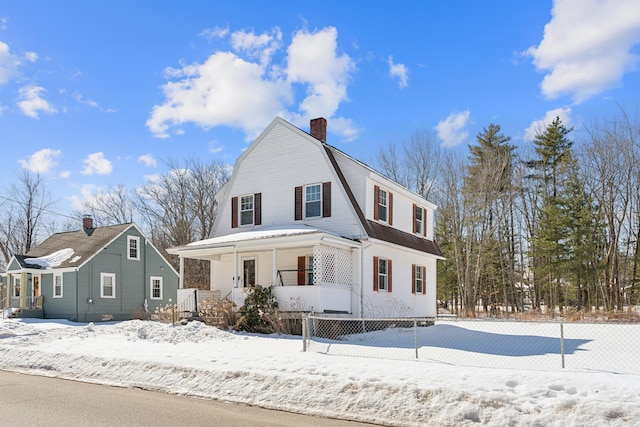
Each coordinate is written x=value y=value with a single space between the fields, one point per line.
x=329 y=233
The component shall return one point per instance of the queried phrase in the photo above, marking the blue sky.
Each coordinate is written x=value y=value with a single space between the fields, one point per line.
x=94 y=94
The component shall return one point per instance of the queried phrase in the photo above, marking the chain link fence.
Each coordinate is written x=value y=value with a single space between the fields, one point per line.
x=540 y=345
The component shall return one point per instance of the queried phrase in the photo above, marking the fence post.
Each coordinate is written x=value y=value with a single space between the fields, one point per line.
x=305 y=319
x=415 y=335
x=562 y=341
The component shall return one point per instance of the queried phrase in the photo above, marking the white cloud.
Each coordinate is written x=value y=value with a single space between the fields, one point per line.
x=41 y=161
x=148 y=160
x=31 y=56
x=215 y=147
x=399 y=71
x=8 y=63
x=538 y=126
x=96 y=163
x=214 y=33
x=261 y=46
x=91 y=103
x=452 y=130
x=87 y=192
x=31 y=103
x=587 y=47
x=247 y=88
x=313 y=61
x=65 y=174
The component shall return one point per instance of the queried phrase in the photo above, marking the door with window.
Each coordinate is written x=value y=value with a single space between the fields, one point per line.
x=35 y=291
x=248 y=272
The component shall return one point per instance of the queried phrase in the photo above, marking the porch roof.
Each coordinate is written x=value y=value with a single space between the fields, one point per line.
x=262 y=239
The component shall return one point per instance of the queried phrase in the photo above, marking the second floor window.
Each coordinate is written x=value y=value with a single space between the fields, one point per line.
x=419 y=221
x=312 y=200
x=133 y=247
x=246 y=210
x=383 y=205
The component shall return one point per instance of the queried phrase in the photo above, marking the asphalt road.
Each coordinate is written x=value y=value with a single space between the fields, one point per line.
x=29 y=400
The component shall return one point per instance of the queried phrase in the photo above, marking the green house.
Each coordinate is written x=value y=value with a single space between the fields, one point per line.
x=93 y=274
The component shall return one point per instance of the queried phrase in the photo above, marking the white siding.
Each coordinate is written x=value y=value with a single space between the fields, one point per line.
x=278 y=163
x=400 y=302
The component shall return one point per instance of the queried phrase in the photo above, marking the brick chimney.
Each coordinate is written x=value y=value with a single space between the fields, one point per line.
x=87 y=224
x=318 y=129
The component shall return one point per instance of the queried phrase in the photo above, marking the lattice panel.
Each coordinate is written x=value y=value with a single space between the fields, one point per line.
x=332 y=266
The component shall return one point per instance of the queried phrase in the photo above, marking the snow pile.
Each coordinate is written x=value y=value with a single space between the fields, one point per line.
x=52 y=260
x=273 y=372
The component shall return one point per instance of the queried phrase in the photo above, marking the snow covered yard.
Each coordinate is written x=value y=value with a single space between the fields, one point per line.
x=273 y=372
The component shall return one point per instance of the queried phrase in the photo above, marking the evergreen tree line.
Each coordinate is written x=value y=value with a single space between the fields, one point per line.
x=550 y=226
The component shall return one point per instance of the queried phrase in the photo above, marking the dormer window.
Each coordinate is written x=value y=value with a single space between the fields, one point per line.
x=419 y=223
x=383 y=205
x=133 y=248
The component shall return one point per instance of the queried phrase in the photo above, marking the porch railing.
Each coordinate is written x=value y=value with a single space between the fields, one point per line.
x=290 y=277
x=31 y=303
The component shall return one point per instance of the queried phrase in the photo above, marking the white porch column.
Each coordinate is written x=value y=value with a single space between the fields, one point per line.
x=181 y=280
x=274 y=275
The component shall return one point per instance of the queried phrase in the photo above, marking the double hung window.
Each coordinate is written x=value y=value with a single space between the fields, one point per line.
x=246 y=210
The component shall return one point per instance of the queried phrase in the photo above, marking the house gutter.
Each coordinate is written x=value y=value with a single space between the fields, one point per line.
x=362 y=248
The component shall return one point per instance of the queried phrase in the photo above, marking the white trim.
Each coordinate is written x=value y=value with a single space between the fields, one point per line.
x=151 y=280
x=113 y=285
x=33 y=283
x=137 y=248
x=255 y=272
x=16 y=278
x=305 y=201
x=385 y=274
x=55 y=276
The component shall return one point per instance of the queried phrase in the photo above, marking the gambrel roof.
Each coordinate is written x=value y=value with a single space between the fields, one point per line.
x=334 y=158
x=374 y=229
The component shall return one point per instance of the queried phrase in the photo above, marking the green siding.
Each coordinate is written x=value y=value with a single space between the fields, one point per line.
x=81 y=300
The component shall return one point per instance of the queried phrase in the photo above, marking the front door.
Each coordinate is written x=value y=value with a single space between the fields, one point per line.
x=248 y=272
x=36 y=291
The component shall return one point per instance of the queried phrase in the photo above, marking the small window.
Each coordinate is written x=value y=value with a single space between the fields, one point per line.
x=312 y=201
x=383 y=206
x=16 y=287
x=419 y=221
x=57 y=286
x=419 y=279
x=133 y=247
x=246 y=210
x=156 y=287
x=107 y=285
x=383 y=278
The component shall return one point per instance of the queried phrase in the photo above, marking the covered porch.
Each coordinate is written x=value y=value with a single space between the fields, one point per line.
x=309 y=269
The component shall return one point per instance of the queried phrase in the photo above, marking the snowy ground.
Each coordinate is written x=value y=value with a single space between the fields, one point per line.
x=273 y=372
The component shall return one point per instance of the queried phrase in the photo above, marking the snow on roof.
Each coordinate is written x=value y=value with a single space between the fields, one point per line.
x=52 y=260
x=264 y=233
